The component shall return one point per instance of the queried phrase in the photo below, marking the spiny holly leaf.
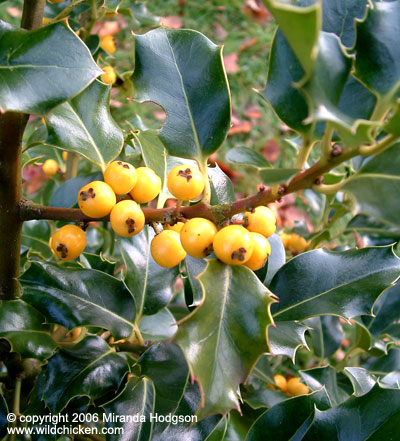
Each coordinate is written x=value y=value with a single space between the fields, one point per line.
x=377 y=49
x=42 y=68
x=357 y=419
x=223 y=337
x=379 y=176
x=286 y=338
x=343 y=283
x=84 y=125
x=137 y=398
x=150 y=284
x=90 y=368
x=318 y=378
x=289 y=419
x=384 y=365
x=326 y=333
x=263 y=397
x=159 y=326
x=79 y=297
x=23 y=327
x=301 y=26
x=361 y=380
x=198 y=112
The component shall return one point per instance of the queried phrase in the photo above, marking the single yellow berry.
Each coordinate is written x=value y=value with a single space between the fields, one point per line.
x=166 y=249
x=68 y=242
x=294 y=387
x=197 y=237
x=185 y=182
x=147 y=187
x=262 y=220
x=176 y=227
x=297 y=243
x=285 y=238
x=96 y=199
x=261 y=251
x=281 y=382
x=74 y=334
x=109 y=76
x=120 y=176
x=233 y=245
x=50 y=167
x=65 y=156
x=107 y=43
x=46 y=20
x=127 y=218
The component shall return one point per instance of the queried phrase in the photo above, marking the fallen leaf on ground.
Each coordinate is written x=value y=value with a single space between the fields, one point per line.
x=231 y=63
x=171 y=21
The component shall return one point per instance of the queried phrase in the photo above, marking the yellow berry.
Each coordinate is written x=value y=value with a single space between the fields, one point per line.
x=46 y=20
x=109 y=77
x=166 y=249
x=65 y=156
x=96 y=199
x=176 y=227
x=197 y=237
x=233 y=245
x=50 y=167
x=68 y=242
x=262 y=221
x=120 y=176
x=294 y=387
x=107 y=43
x=297 y=243
x=127 y=218
x=261 y=251
x=281 y=382
x=74 y=334
x=148 y=185
x=285 y=239
x=185 y=182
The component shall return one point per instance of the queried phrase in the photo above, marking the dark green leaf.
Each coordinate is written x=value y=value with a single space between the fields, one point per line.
x=79 y=297
x=370 y=227
x=379 y=176
x=222 y=190
x=194 y=267
x=136 y=400
x=271 y=176
x=384 y=365
x=36 y=235
x=160 y=326
x=23 y=327
x=84 y=125
x=326 y=333
x=356 y=101
x=191 y=65
x=224 y=336
x=276 y=259
x=264 y=397
x=286 y=337
x=246 y=156
x=141 y=15
x=150 y=284
x=42 y=68
x=89 y=368
x=97 y=262
x=344 y=283
x=361 y=380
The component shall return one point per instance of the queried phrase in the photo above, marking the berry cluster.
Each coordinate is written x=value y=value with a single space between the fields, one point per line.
x=245 y=244
x=289 y=387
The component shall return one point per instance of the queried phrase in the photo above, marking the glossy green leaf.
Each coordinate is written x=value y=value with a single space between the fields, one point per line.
x=150 y=284
x=288 y=419
x=224 y=336
x=383 y=365
x=379 y=176
x=23 y=327
x=301 y=26
x=286 y=338
x=159 y=326
x=194 y=267
x=377 y=49
x=246 y=156
x=264 y=397
x=35 y=236
x=359 y=418
x=79 y=297
x=344 y=283
x=393 y=124
x=276 y=259
x=271 y=176
x=372 y=228
x=222 y=190
x=66 y=194
x=320 y=377
x=198 y=112
x=326 y=333
x=97 y=262
x=136 y=400
x=90 y=368
x=84 y=125
x=141 y=15
x=40 y=69
x=361 y=380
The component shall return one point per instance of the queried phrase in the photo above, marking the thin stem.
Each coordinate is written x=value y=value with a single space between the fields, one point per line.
x=379 y=146
x=72 y=165
x=326 y=141
x=207 y=186
x=329 y=189
x=304 y=153
x=16 y=404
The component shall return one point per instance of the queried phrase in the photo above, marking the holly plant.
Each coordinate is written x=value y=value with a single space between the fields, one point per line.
x=136 y=280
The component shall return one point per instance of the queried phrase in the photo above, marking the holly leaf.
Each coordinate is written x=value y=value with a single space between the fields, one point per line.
x=23 y=327
x=246 y=156
x=36 y=235
x=379 y=176
x=84 y=125
x=326 y=333
x=137 y=399
x=343 y=283
x=224 y=336
x=42 y=68
x=90 y=368
x=159 y=326
x=286 y=338
x=276 y=259
x=191 y=65
x=271 y=176
x=79 y=297
x=361 y=380
x=150 y=284
x=222 y=190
